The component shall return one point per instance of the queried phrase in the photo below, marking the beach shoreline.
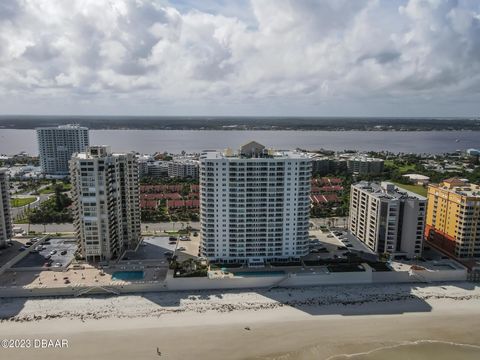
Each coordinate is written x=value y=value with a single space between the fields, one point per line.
x=246 y=325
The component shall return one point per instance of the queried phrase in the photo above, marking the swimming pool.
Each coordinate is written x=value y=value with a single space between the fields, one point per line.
x=259 y=273
x=127 y=275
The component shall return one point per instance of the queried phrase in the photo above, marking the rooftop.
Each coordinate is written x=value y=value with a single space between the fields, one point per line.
x=364 y=158
x=416 y=177
x=460 y=187
x=254 y=150
x=63 y=127
x=387 y=190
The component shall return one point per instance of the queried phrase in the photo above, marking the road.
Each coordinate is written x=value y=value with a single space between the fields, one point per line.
x=146 y=227
x=18 y=212
x=161 y=227
x=341 y=222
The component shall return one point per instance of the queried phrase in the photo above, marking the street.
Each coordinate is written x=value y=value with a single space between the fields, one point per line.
x=161 y=227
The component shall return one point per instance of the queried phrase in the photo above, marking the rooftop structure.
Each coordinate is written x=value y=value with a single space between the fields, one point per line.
x=417 y=178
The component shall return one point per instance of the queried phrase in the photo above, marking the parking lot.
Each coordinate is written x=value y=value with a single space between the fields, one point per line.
x=335 y=244
x=151 y=248
x=57 y=252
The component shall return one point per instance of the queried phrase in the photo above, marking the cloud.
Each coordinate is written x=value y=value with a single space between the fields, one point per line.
x=332 y=57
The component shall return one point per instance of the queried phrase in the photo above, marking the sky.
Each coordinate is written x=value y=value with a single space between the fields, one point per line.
x=259 y=57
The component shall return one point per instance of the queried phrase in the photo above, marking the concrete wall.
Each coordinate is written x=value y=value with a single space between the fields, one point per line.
x=299 y=280
x=364 y=277
x=227 y=283
x=419 y=276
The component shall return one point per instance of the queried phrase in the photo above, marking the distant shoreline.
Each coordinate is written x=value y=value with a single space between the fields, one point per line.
x=262 y=129
x=244 y=123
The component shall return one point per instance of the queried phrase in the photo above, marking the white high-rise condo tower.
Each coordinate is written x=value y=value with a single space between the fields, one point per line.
x=56 y=145
x=5 y=218
x=254 y=204
x=106 y=202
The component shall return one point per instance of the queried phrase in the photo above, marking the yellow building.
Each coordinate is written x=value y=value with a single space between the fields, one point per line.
x=453 y=217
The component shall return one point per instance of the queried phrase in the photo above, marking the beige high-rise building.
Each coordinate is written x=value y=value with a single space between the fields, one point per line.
x=388 y=219
x=5 y=217
x=105 y=188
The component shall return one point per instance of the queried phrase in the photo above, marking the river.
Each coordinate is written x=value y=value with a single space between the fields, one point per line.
x=149 y=141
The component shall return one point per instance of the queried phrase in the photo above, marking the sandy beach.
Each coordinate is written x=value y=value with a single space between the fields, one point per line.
x=302 y=323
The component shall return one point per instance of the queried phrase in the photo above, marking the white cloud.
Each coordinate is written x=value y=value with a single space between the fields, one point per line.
x=415 y=57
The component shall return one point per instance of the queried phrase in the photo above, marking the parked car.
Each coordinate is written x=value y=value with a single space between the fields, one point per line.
x=64 y=252
x=47 y=264
x=172 y=238
x=58 y=264
x=48 y=257
x=182 y=248
x=195 y=233
x=53 y=252
x=168 y=253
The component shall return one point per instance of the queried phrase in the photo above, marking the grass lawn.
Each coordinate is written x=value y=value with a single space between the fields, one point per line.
x=417 y=189
x=49 y=188
x=402 y=168
x=18 y=202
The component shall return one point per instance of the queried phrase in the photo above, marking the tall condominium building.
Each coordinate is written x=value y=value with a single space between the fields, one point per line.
x=254 y=204
x=453 y=217
x=388 y=219
x=183 y=169
x=56 y=145
x=364 y=165
x=106 y=202
x=5 y=219
x=326 y=165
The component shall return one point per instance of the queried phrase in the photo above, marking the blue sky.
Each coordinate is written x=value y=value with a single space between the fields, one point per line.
x=259 y=57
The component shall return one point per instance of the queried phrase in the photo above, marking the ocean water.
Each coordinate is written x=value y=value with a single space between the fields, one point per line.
x=418 y=350
x=149 y=141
